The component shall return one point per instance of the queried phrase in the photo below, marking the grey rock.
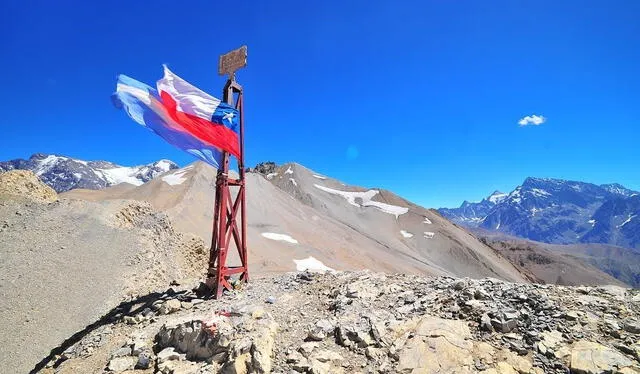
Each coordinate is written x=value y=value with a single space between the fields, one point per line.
x=325 y=325
x=631 y=326
x=120 y=364
x=485 y=323
x=459 y=285
x=541 y=348
x=144 y=361
x=137 y=347
x=480 y=294
x=571 y=315
x=504 y=326
x=316 y=334
x=122 y=352
x=168 y=354
x=508 y=315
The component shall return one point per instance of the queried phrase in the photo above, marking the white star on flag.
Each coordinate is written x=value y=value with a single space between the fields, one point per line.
x=228 y=116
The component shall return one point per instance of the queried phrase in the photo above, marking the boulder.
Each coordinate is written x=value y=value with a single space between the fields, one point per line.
x=632 y=326
x=196 y=339
x=593 y=358
x=168 y=354
x=485 y=323
x=437 y=346
x=120 y=364
x=170 y=306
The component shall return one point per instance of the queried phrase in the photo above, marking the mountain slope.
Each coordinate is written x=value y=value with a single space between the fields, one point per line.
x=65 y=263
x=617 y=221
x=346 y=228
x=65 y=173
x=558 y=211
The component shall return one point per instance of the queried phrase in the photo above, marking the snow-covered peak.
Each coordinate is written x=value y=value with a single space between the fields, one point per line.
x=64 y=173
x=497 y=196
x=618 y=189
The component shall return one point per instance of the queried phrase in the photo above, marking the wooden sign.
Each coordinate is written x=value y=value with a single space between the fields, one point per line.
x=232 y=61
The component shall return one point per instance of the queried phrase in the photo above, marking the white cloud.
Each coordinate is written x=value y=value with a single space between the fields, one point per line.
x=532 y=120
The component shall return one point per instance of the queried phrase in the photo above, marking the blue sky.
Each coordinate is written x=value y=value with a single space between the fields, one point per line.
x=422 y=98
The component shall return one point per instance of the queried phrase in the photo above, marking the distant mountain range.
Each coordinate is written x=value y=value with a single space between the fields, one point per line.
x=65 y=173
x=558 y=211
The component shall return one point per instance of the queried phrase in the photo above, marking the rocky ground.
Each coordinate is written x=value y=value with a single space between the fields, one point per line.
x=65 y=263
x=365 y=322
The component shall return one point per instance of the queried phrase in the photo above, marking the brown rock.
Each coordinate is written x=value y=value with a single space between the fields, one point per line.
x=438 y=346
x=593 y=358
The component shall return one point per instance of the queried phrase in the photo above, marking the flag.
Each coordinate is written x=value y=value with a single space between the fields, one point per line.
x=201 y=114
x=175 y=115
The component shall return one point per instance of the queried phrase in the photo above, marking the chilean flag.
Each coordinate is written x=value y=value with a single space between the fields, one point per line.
x=181 y=114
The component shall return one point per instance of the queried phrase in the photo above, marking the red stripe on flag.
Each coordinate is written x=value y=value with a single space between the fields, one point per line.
x=208 y=132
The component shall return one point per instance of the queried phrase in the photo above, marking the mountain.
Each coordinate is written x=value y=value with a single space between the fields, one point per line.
x=557 y=211
x=472 y=214
x=567 y=264
x=129 y=251
x=297 y=216
x=65 y=173
x=617 y=221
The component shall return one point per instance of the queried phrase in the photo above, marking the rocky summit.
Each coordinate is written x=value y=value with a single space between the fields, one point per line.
x=366 y=322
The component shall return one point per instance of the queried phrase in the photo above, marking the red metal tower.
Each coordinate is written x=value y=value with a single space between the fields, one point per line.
x=228 y=209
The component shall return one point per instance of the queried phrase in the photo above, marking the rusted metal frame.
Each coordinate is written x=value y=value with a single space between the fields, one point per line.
x=225 y=214
x=233 y=230
x=222 y=244
x=243 y=217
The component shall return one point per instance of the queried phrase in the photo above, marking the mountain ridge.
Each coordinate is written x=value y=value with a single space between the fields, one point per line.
x=64 y=173
x=558 y=211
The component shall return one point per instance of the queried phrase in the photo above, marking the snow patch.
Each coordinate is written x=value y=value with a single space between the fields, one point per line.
x=78 y=176
x=497 y=197
x=366 y=200
x=429 y=234
x=289 y=171
x=271 y=175
x=592 y=222
x=498 y=226
x=406 y=234
x=121 y=175
x=539 y=192
x=627 y=221
x=319 y=176
x=164 y=165
x=279 y=237
x=312 y=264
x=293 y=181
x=176 y=178
x=427 y=221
